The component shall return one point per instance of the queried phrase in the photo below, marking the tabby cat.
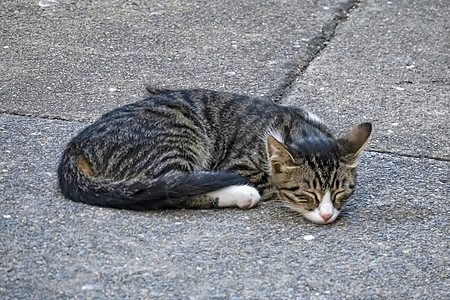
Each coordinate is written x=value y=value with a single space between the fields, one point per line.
x=207 y=149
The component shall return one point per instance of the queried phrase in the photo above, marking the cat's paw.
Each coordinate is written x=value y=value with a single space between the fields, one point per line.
x=247 y=196
x=242 y=196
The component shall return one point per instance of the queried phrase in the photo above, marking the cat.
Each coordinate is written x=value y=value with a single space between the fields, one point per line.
x=208 y=149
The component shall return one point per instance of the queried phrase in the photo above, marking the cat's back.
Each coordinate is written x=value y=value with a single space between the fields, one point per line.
x=197 y=102
x=201 y=101
x=193 y=108
x=211 y=114
x=175 y=111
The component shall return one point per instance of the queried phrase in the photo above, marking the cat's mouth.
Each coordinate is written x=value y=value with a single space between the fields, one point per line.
x=318 y=217
x=315 y=215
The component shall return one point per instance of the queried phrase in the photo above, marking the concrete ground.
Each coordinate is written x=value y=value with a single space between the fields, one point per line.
x=64 y=63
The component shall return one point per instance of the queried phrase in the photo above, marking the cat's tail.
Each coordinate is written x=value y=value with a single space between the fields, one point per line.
x=139 y=193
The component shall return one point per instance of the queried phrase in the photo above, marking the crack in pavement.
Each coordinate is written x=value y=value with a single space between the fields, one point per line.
x=34 y=116
x=316 y=45
x=408 y=155
x=31 y=116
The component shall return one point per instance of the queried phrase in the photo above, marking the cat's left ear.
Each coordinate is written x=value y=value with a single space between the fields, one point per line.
x=352 y=144
x=279 y=156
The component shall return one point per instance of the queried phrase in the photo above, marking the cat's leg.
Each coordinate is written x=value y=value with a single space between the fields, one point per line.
x=261 y=180
x=242 y=196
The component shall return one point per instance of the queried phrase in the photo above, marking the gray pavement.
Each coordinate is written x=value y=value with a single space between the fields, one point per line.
x=63 y=65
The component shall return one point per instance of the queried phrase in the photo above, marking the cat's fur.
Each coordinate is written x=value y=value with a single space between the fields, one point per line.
x=202 y=149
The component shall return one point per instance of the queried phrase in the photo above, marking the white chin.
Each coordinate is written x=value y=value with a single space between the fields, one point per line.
x=315 y=217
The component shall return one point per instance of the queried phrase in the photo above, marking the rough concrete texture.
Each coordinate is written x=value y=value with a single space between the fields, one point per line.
x=77 y=60
x=65 y=64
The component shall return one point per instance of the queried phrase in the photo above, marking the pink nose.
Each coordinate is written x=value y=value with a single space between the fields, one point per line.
x=326 y=217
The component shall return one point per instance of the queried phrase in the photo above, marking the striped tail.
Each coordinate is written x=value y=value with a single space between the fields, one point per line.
x=141 y=194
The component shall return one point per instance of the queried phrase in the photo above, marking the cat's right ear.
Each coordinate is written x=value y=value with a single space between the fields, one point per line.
x=279 y=156
x=351 y=145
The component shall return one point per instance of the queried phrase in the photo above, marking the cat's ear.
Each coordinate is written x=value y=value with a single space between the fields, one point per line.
x=279 y=156
x=351 y=145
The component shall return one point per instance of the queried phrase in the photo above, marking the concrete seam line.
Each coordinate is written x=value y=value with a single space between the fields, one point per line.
x=408 y=155
x=316 y=45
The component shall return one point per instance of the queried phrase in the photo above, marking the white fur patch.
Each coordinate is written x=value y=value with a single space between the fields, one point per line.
x=354 y=164
x=326 y=206
x=325 y=213
x=275 y=133
x=242 y=196
x=313 y=117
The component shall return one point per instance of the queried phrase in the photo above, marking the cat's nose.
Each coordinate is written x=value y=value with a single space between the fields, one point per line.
x=326 y=217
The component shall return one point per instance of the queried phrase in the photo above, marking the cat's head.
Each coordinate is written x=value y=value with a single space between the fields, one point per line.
x=316 y=176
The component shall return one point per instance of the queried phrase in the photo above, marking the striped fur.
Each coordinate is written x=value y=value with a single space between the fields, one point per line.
x=201 y=149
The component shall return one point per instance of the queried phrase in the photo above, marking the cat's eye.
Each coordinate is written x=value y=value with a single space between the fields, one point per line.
x=339 y=192
x=291 y=189
x=338 y=195
x=314 y=196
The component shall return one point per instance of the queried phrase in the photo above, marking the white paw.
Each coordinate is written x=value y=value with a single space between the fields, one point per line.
x=242 y=196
